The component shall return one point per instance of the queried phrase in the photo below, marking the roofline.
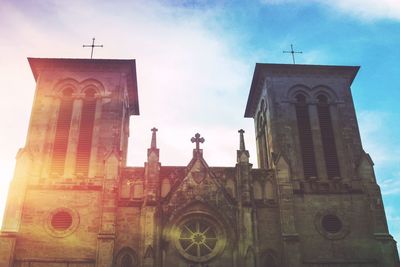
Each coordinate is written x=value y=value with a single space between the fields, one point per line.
x=133 y=92
x=273 y=67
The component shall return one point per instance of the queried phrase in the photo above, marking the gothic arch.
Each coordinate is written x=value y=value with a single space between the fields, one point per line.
x=230 y=187
x=269 y=259
x=126 y=257
x=250 y=257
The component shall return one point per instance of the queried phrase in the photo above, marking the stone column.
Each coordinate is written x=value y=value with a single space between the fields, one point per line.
x=106 y=236
x=317 y=141
x=290 y=238
x=245 y=210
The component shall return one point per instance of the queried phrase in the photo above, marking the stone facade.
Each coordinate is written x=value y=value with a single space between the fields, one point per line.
x=314 y=201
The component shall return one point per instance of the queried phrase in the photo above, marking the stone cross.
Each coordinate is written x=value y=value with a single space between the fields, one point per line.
x=92 y=46
x=153 y=138
x=197 y=139
x=293 y=52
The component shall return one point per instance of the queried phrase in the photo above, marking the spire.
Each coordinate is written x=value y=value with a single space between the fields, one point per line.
x=153 y=146
x=242 y=154
x=154 y=138
x=242 y=145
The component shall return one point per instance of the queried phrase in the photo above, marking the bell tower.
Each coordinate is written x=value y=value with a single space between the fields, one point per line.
x=80 y=113
x=66 y=175
x=306 y=112
x=306 y=128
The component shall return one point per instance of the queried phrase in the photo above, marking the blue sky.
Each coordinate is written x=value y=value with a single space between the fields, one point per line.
x=195 y=62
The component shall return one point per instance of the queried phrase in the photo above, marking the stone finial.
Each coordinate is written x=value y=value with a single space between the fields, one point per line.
x=154 y=138
x=242 y=146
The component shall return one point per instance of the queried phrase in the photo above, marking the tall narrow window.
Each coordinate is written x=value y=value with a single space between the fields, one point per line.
x=328 y=138
x=60 y=144
x=305 y=137
x=262 y=142
x=85 y=133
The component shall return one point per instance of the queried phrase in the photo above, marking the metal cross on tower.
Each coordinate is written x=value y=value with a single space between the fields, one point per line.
x=293 y=52
x=92 y=46
x=197 y=139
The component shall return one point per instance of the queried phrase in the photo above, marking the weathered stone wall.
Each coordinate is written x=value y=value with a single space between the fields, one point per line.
x=354 y=242
x=37 y=239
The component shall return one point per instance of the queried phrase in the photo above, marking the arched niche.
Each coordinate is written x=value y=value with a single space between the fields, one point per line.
x=269 y=190
x=230 y=187
x=257 y=190
x=138 y=189
x=126 y=257
x=165 y=187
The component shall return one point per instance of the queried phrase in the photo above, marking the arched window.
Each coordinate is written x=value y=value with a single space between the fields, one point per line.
x=230 y=187
x=257 y=190
x=86 y=133
x=60 y=144
x=126 y=261
x=305 y=137
x=126 y=258
x=261 y=141
x=328 y=137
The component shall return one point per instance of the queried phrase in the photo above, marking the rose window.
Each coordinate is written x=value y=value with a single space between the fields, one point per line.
x=199 y=239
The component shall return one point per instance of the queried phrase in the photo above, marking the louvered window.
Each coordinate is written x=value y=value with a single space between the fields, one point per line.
x=61 y=221
x=60 y=144
x=305 y=136
x=328 y=138
x=85 y=134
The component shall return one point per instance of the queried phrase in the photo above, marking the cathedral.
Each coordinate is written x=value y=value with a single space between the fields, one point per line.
x=313 y=201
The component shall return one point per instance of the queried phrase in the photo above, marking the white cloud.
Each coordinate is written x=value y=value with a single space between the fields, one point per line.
x=363 y=9
x=374 y=132
x=391 y=186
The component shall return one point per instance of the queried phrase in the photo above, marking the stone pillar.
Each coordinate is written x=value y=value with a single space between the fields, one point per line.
x=317 y=141
x=290 y=239
x=245 y=209
x=149 y=217
x=106 y=236
x=94 y=161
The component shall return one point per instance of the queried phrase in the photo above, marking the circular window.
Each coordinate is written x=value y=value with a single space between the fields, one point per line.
x=331 y=223
x=199 y=239
x=61 y=222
